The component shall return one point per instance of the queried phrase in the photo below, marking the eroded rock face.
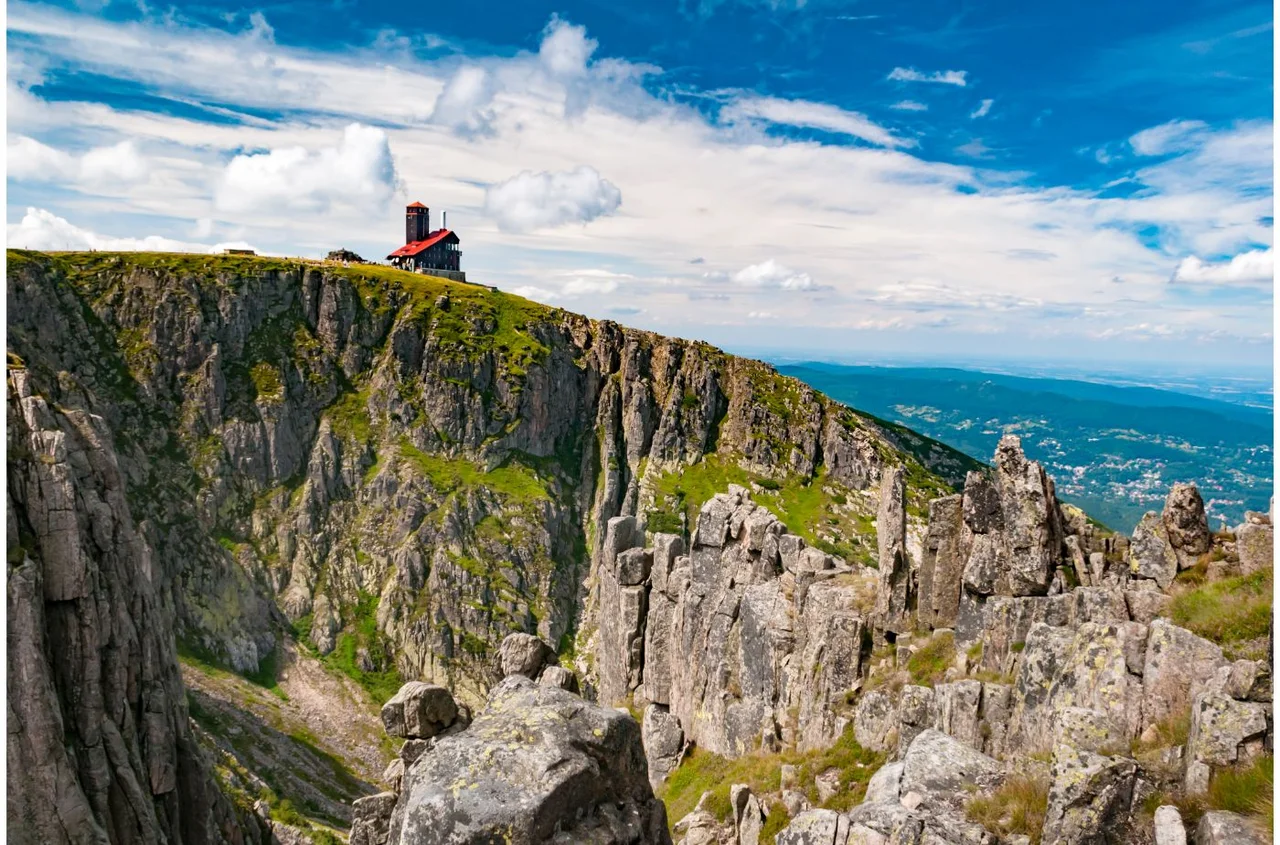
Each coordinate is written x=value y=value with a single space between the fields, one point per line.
x=99 y=747
x=539 y=765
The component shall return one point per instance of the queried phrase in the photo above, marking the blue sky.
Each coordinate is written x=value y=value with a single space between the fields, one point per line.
x=1080 y=181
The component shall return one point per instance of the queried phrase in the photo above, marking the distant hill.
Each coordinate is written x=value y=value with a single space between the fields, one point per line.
x=1112 y=450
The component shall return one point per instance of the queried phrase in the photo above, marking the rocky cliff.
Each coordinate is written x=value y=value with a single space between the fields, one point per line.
x=232 y=454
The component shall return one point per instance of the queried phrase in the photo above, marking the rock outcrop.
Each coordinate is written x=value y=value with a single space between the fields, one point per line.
x=100 y=748
x=536 y=765
x=752 y=640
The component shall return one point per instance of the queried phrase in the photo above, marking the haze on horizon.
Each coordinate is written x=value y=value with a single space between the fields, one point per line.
x=1088 y=183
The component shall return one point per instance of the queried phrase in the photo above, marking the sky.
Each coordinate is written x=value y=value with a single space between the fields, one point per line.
x=1073 y=181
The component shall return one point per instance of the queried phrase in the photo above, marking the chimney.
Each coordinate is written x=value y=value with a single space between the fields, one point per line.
x=444 y=222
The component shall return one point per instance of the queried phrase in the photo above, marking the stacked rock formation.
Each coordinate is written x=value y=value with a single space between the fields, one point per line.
x=750 y=641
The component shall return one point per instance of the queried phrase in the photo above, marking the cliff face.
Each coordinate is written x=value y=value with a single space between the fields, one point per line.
x=396 y=470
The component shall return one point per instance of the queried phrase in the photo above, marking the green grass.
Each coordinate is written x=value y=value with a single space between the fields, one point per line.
x=385 y=681
x=931 y=661
x=512 y=480
x=266 y=381
x=1246 y=789
x=801 y=503
x=1230 y=612
x=349 y=416
x=1017 y=807
x=703 y=771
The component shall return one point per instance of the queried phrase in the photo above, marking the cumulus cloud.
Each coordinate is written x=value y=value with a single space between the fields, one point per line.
x=565 y=48
x=42 y=229
x=1174 y=136
x=771 y=274
x=982 y=110
x=1254 y=267
x=530 y=201
x=945 y=77
x=358 y=173
x=822 y=116
x=32 y=161
x=465 y=103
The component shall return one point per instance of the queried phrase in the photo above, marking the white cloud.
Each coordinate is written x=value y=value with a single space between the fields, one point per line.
x=761 y=315
x=587 y=286
x=465 y=103
x=358 y=173
x=982 y=110
x=771 y=274
x=535 y=293
x=530 y=201
x=1254 y=267
x=31 y=161
x=565 y=48
x=946 y=77
x=1174 y=136
x=813 y=116
x=42 y=229
x=909 y=105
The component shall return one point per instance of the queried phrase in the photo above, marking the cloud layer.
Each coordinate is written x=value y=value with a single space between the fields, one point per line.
x=830 y=219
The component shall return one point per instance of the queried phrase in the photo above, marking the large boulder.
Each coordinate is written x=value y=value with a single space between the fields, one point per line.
x=1187 y=526
x=538 y=764
x=419 y=711
x=1151 y=555
x=1223 y=732
x=1220 y=827
x=1177 y=663
x=942 y=771
x=524 y=654
x=942 y=564
x=1089 y=798
x=1255 y=546
x=815 y=827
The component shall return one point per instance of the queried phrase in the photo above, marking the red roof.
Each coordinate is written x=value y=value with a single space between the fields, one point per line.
x=415 y=205
x=418 y=246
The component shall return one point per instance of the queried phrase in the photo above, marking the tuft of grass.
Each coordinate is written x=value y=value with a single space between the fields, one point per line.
x=928 y=665
x=512 y=480
x=703 y=771
x=1017 y=807
x=1246 y=790
x=775 y=822
x=1228 y=612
